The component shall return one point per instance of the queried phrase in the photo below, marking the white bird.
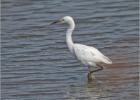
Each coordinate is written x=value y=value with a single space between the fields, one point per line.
x=89 y=56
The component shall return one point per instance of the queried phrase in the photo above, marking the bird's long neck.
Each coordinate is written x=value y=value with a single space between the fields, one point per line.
x=69 y=36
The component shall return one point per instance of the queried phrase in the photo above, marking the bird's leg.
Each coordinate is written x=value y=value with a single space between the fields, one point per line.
x=89 y=76
x=100 y=68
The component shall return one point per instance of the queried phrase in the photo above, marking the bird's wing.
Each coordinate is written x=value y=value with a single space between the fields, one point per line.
x=100 y=56
x=90 y=53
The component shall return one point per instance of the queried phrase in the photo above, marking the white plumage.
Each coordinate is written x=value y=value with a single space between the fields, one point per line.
x=89 y=56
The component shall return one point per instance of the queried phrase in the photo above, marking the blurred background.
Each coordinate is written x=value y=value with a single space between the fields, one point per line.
x=37 y=65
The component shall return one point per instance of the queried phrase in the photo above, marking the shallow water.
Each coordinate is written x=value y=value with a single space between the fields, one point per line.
x=36 y=63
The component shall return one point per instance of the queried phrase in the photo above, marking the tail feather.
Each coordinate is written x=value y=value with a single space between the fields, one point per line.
x=106 y=60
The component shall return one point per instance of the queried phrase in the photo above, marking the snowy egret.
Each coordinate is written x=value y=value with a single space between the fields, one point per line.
x=89 y=56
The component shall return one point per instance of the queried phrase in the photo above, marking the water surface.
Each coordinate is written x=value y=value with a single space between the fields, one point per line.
x=36 y=63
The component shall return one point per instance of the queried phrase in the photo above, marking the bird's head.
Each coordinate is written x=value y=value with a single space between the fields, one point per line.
x=67 y=19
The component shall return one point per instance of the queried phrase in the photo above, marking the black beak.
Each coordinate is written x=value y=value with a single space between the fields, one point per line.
x=55 y=22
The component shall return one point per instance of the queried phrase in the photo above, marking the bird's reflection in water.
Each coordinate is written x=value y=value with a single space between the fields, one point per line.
x=88 y=91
